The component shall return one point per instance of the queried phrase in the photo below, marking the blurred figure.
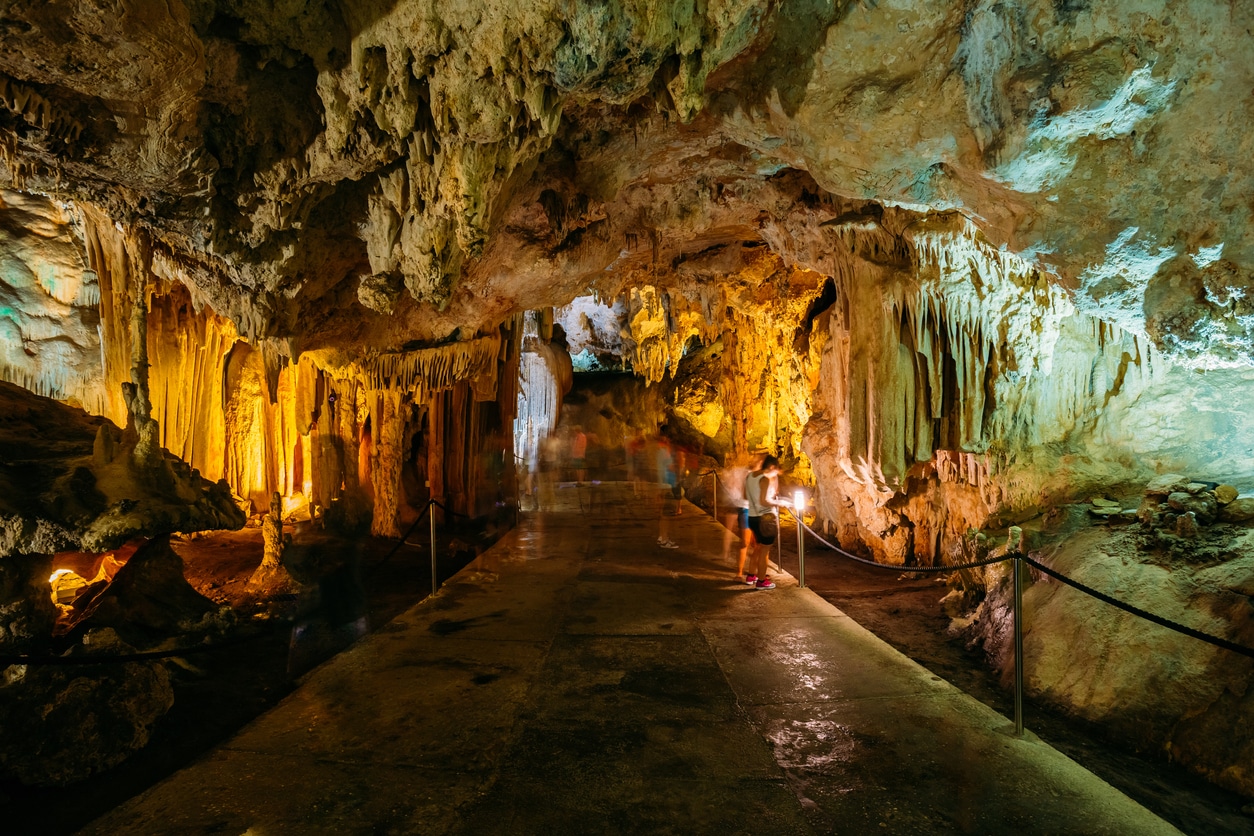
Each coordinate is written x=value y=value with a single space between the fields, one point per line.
x=579 y=453
x=683 y=456
x=671 y=491
x=550 y=466
x=736 y=521
x=637 y=454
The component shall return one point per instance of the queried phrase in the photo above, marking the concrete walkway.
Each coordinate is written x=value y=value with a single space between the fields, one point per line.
x=578 y=679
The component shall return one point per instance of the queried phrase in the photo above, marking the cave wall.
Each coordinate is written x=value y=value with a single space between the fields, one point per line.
x=958 y=262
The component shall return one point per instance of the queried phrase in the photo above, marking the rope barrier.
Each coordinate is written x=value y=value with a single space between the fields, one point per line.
x=1071 y=582
x=975 y=564
x=446 y=510
x=404 y=541
x=1148 y=616
x=119 y=658
x=404 y=538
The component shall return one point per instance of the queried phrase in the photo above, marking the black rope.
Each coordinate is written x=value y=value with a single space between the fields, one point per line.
x=1074 y=584
x=404 y=537
x=988 y=561
x=1148 y=616
x=119 y=658
x=450 y=512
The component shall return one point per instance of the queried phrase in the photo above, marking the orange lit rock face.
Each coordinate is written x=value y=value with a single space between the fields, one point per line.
x=349 y=186
x=363 y=201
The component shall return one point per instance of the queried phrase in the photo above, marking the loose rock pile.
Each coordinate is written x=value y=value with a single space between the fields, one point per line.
x=1177 y=504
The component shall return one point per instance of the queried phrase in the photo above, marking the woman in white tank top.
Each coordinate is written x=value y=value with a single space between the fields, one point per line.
x=760 y=492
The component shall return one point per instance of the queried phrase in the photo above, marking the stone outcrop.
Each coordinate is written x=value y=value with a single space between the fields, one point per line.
x=67 y=483
x=1144 y=683
x=65 y=723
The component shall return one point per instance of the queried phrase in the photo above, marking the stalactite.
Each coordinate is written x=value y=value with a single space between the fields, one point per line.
x=431 y=369
x=942 y=357
x=49 y=335
x=107 y=257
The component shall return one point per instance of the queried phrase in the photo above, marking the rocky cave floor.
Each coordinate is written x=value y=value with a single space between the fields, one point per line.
x=905 y=611
x=220 y=691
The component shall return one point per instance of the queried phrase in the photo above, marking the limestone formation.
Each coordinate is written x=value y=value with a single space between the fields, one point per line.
x=1238 y=510
x=1158 y=687
x=272 y=575
x=58 y=494
x=1202 y=505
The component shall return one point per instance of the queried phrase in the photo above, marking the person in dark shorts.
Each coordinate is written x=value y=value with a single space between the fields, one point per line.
x=761 y=488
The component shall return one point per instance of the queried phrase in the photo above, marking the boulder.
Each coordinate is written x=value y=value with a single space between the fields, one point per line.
x=27 y=613
x=63 y=724
x=1166 y=484
x=1149 y=509
x=1203 y=505
x=1238 y=510
x=1225 y=494
x=148 y=599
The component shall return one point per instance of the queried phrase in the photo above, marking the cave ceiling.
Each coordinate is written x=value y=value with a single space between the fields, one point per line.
x=340 y=175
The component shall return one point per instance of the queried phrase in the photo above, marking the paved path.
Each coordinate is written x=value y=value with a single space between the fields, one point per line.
x=578 y=679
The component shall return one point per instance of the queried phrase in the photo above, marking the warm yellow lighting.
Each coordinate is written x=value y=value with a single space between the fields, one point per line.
x=66 y=584
x=295 y=504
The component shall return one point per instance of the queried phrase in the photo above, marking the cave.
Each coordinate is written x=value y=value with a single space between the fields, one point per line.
x=328 y=329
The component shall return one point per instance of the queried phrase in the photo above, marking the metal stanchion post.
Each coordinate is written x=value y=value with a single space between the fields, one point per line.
x=801 y=556
x=715 y=495
x=434 y=580
x=1018 y=628
x=798 y=513
x=779 y=543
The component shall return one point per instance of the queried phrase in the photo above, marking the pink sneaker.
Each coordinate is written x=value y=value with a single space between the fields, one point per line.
x=766 y=583
x=750 y=580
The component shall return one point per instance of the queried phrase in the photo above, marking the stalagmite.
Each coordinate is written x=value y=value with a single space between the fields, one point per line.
x=272 y=575
x=385 y=464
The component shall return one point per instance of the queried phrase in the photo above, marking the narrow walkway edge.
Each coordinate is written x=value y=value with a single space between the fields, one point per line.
x=576 y=678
